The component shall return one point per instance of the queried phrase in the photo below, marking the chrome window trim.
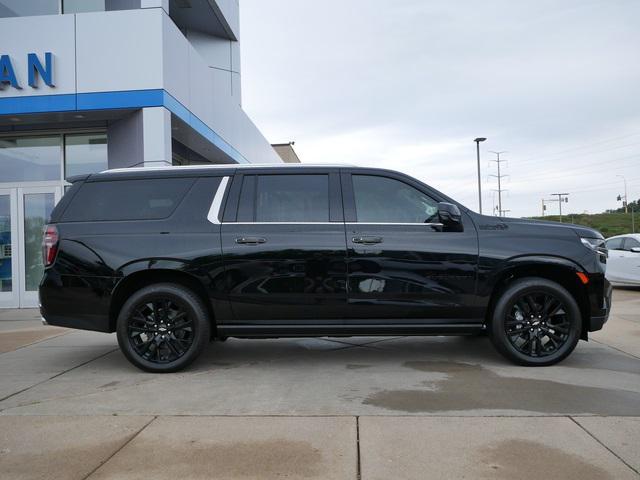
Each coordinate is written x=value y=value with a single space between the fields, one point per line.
x=283 y=223
x=333 y=223
x=216 y=205
x=431 y=224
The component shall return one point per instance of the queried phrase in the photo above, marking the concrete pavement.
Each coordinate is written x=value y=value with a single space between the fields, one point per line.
x=402 y=407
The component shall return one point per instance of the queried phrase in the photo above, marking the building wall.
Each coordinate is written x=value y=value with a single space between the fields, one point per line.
x=149 y=52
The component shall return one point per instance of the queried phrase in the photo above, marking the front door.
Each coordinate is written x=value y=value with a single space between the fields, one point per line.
x=401 y=264
x=284 y=248
x=23 y=213
x=9 y=296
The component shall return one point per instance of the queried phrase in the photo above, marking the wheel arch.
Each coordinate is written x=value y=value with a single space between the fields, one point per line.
x=556 y=269
x=142 y=278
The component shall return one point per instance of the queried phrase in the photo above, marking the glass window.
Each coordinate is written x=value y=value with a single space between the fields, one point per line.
x=5 y=244
x=127 y=200
x=80 y=6
x=614 y=243
x=30 y=159
x=37 y=209
x=292 y=198
x=630 y=243
x=25 y=8
x=385 y=200
x=85 y=153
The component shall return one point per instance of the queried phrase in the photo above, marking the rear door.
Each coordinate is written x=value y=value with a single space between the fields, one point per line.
x=401 y=264
x=631 y=263
x=284 y=250
x=616 y=259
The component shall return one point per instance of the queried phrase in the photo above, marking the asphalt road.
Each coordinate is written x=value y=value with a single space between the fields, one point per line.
x=396 y=407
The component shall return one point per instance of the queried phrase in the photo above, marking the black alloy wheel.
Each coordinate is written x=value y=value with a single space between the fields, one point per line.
x=535 y=322
x=160 y=331
x=163 y=328
x=538 y=324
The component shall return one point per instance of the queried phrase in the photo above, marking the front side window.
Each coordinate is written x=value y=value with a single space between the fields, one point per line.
x=292 y=198
x=386 y=200
x=614 y=244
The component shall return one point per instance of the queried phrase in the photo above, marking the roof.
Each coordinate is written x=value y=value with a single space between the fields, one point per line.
x=632 y=235
x=226 y=167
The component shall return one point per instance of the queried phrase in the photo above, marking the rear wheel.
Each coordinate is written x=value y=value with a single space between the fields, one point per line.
x=535 y=322
x=163 y=328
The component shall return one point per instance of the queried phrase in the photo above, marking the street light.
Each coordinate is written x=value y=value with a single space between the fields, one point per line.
x=478 y=140
x=625 y=193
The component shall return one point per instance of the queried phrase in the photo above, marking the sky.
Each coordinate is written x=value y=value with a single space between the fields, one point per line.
x=408 y=85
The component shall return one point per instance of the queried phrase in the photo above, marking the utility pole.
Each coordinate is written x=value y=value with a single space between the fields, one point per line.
x=625 y=202
x=562 y=197
x=478 y=140
x=499 y=177
x=544 y=207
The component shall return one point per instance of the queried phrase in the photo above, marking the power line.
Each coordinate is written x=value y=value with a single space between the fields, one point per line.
x=587 y=168
x=580 y=147
x=582 y=154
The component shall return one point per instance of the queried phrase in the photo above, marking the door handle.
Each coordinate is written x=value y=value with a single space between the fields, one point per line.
x=367 y=240
x=250 y=240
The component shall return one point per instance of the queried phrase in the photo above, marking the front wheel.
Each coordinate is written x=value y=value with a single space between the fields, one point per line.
x=536 y=322
x=162 y=328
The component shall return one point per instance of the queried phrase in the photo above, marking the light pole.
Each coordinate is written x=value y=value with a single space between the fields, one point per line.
x=561 y=197
x=625 y=193
x=478 y=140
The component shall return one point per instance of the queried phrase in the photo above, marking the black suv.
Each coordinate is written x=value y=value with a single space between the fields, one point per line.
x=171 y=258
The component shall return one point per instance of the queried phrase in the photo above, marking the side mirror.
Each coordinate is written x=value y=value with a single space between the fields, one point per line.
x=635 y=249
x=450 y=216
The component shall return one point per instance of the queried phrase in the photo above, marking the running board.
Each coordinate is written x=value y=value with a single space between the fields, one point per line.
x=345 y=330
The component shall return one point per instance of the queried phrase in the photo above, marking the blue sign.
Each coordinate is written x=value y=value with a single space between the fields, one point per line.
x=35 y=69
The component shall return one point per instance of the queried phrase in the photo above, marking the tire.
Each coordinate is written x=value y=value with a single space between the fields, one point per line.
x=535 y=322
x=163 y=328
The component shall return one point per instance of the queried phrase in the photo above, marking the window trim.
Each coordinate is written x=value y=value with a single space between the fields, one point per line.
x=216 y=205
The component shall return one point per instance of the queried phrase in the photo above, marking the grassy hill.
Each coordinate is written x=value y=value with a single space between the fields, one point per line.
x=609 y=224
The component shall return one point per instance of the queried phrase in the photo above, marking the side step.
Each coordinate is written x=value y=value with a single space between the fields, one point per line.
x=344 y=330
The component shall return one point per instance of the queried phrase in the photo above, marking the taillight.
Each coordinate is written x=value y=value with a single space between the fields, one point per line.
x=49 y=245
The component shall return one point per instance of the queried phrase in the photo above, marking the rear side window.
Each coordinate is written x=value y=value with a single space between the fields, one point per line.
x=630 y=243
x=149 y=199
x=292 y=198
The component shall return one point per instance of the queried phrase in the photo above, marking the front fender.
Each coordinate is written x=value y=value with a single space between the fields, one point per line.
x=524 y=263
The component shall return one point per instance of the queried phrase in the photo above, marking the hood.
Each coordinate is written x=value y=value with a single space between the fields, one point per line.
x=580 y=230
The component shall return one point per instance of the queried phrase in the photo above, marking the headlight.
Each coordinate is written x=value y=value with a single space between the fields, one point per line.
x=595 y=244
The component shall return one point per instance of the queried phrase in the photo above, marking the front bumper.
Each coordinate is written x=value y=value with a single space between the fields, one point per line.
x=600 y=302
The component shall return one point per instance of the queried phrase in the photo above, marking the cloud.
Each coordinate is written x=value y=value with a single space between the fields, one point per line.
x=408 y=85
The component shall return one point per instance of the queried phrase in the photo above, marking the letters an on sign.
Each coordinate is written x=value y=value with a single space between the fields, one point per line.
x=35 y=70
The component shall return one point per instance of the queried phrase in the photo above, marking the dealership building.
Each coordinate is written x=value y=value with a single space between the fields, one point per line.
x=90 y=85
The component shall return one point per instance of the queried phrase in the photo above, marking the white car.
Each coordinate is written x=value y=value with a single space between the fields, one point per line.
x=623 y=264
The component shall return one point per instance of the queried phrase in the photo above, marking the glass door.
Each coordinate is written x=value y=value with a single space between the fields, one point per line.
x=8 y=242
x=34 y=209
